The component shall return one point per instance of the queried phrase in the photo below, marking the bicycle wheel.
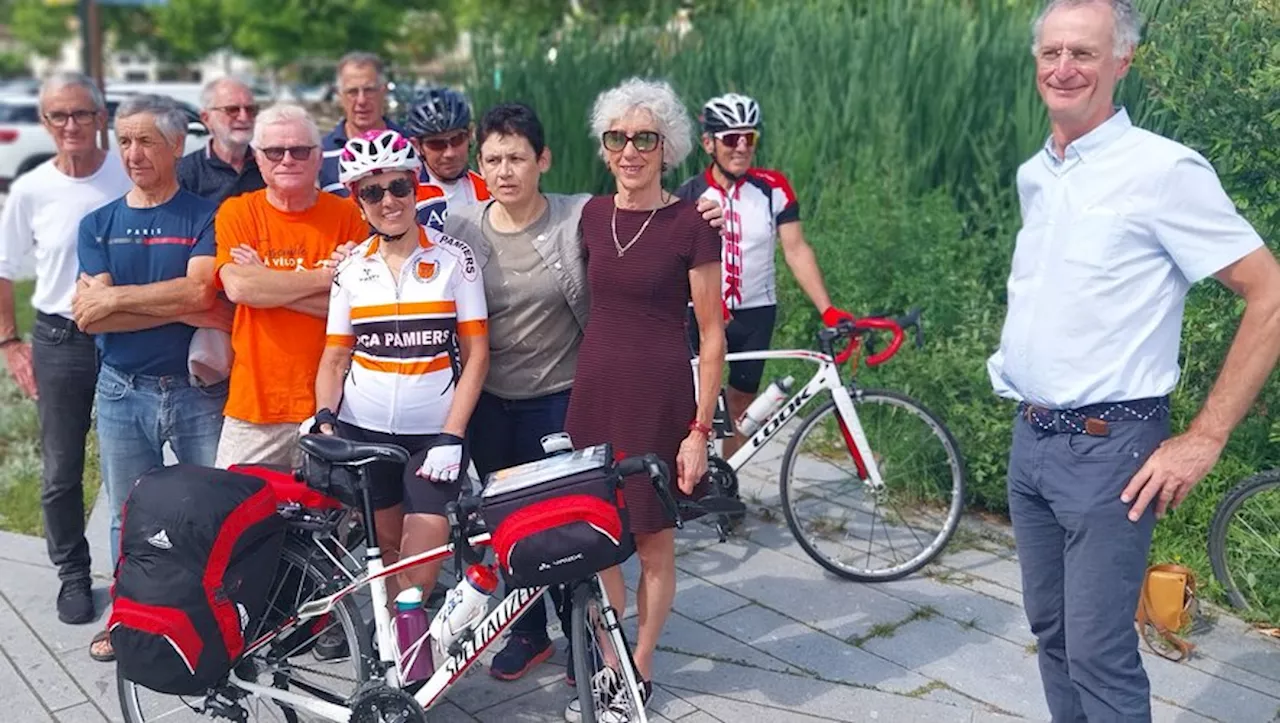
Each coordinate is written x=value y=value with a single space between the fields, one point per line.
x=601 y=656
x=1244 y=544
x=842 y=522
x=285 y=663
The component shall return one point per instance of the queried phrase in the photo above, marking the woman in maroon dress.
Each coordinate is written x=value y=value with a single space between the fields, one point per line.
x=647 y=254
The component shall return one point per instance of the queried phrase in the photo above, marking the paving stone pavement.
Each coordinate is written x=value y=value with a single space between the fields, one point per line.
x=759 y=633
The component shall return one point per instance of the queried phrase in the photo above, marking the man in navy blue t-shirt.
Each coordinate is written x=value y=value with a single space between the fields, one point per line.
x=146 y=285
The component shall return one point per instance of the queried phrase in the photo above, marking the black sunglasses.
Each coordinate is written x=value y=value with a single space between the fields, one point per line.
x=399 y=188
x=276 y=154
x=644 y=141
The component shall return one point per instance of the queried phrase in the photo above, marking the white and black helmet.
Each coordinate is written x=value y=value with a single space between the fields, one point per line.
x=376 y=151
x=728 y=112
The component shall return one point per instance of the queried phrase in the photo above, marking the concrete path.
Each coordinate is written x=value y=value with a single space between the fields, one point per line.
x=759 y=633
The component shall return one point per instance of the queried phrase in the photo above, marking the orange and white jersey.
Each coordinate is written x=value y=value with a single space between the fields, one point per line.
x=402 y=334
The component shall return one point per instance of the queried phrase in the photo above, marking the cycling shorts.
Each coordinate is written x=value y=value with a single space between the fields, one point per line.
x=748 y=330
x=391 y=484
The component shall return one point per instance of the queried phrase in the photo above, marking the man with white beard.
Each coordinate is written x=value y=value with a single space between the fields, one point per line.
x=225 y=167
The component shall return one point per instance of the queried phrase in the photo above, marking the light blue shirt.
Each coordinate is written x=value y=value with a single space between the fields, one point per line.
x=1113 y=235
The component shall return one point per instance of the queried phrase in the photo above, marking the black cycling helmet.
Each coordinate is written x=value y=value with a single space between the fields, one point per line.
x=438 y=110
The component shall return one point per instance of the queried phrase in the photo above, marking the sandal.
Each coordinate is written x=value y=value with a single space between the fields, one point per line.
x=102 y=642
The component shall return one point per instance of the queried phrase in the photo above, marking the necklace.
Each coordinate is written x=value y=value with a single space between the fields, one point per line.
x=614 y=225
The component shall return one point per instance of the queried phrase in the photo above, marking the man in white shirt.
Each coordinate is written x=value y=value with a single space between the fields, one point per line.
x=1118 y=223
x=59 y=368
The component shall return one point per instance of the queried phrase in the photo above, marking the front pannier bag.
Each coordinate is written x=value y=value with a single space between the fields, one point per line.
x=559 y=519
x=198 y=551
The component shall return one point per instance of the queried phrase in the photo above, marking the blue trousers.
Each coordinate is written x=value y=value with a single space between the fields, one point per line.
x=1083 y=563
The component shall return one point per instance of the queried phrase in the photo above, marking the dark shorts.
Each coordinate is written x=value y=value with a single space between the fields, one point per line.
x=391 y=484
x=749 y=330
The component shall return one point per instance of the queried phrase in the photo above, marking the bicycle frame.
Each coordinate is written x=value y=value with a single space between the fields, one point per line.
x=825 y=379
x=450 y=669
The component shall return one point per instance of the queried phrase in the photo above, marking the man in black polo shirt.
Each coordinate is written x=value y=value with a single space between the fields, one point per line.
x=225 y=167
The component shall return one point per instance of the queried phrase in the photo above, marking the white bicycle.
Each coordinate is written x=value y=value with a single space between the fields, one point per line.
x=872 y=482
x=318 y=588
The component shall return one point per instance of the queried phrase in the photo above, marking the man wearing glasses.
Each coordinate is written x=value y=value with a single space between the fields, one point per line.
x=225 y=167
x=439 y=126
x=759 y=209
x=59 y=368
x=362 y=92
x=273 y=261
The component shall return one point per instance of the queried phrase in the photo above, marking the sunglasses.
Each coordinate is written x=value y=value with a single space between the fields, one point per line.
x=441 y=144
x=235 y=110
x=276 y=154
x=644 y=141
x=399 y=188
x=733 y=138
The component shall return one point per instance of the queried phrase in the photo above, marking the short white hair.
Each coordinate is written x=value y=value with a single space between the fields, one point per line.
x=72 y=79
x=282 y=114
x=211 y=89
x=1128 y=23
x=359 y=58
x=659 y=99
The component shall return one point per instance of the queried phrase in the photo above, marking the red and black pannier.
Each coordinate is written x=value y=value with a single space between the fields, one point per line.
x=559 y=519
x=198 y=553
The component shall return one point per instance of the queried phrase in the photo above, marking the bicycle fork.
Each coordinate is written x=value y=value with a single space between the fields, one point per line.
x=614 y=628
x=855 y=438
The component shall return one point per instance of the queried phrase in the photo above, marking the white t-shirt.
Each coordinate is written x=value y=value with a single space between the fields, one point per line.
x=43 y=212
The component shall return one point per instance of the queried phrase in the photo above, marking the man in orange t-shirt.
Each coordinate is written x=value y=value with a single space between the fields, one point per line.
x=273 y=261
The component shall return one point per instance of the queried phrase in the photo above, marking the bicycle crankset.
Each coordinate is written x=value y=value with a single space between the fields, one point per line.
x=386 y=705
x=724 y=483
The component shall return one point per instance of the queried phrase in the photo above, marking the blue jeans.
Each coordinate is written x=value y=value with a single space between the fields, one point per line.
x=136 y=415
x=507 y=432
x=1082 y=565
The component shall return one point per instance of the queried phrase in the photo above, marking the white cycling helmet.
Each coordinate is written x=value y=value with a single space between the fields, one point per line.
x=730 y=111
x=376 y=152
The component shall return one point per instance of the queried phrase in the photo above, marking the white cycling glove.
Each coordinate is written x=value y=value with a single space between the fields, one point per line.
x=444 y=459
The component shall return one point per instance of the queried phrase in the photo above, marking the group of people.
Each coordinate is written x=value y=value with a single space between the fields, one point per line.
x=368 y=283
x=464 y=315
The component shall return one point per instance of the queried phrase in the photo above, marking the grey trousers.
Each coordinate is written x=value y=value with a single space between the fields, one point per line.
x=1082 y=564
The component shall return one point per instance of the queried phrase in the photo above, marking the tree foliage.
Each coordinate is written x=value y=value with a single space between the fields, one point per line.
x=40 y=28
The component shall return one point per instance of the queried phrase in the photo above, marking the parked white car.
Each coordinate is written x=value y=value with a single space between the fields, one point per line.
x=25 y=144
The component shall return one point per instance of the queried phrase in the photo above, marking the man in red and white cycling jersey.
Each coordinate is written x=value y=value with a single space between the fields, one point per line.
x=759 y=209
x=439 y=126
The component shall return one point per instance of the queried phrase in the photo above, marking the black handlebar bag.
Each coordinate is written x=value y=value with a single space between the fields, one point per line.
x=198 y=552
x=558 y=519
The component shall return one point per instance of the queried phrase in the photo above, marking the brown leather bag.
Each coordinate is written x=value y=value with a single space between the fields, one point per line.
x=1167 y=605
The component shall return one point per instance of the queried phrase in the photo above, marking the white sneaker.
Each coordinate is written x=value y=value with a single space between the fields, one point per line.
x=605 y=685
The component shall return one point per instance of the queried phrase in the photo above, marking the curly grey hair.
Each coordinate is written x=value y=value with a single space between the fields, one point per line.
x=1128 y=23
x=660 y=100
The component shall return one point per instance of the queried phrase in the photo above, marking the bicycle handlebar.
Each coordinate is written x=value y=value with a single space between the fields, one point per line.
x=864 y=327
x=659 y=477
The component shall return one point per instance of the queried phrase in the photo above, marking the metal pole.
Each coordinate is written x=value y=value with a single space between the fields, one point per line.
x=93 y=26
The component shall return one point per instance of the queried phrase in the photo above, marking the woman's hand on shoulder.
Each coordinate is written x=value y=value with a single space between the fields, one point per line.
x=711 y=212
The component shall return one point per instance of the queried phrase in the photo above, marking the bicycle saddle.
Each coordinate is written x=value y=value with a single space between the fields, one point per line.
x=337 y=450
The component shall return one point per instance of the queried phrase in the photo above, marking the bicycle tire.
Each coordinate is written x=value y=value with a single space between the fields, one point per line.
x=301 y=555
x=585 y=594
x=954 y=460
x=1222 y=515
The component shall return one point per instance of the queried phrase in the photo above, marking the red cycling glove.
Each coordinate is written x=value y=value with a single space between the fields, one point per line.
x=832 y=316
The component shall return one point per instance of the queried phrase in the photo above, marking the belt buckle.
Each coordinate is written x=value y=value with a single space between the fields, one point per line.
x=1095 y=427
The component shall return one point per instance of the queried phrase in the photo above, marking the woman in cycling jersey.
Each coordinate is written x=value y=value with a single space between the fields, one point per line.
x=407 y=350
x=647 y=254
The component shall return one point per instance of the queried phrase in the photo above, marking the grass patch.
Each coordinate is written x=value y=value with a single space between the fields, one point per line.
x=20 y=465
x=1032 y=648
x=888 y=630
x=928 y=688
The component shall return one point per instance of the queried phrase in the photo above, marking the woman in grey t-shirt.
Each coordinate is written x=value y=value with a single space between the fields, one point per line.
x=536 y=292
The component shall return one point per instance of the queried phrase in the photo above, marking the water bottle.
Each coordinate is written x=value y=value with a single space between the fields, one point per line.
x=765 y=405
x=465 y=605
x=411 y=627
